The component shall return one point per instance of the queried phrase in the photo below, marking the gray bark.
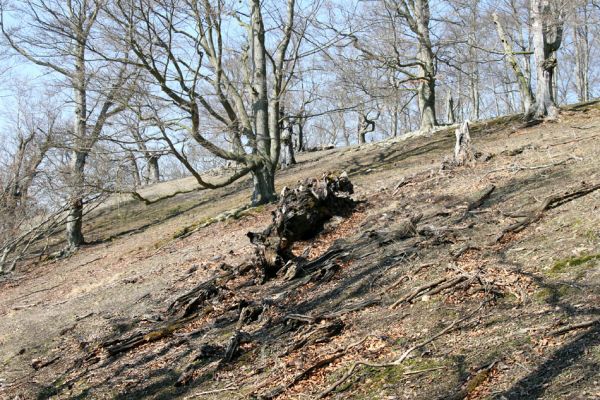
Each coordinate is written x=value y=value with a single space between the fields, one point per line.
x=79 y=153
x=153 y=169
x=365 y=125
x=581 y=40
x=450 y=117
x=547 y=31
x=527 y=97
x=426 y=89
x=463 y=151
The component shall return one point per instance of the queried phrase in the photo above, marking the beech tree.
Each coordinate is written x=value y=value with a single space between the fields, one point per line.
x=227 y=89
x=547 y=28
x=401 y=42
x=56 y=36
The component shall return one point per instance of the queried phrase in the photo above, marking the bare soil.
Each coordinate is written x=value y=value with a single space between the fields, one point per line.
x=509 y=326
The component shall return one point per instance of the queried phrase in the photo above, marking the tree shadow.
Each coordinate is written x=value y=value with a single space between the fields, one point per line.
x=534 y=385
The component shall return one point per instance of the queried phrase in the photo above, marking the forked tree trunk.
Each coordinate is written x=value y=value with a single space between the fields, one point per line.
x=547 y=31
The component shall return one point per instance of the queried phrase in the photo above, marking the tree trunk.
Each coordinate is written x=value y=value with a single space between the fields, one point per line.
x=426 y=94
x=135 y=170
x=527 y=97
x=463 y=151
x=582 y=60
x=79 y=155
x=547 y=31
x=264 y=186
x=426 y=88
x=260 y=104
x=300 y=146
x=450 y=118
x=75 y=212
x=153 y=169
x=287 y=157
x=395 y=120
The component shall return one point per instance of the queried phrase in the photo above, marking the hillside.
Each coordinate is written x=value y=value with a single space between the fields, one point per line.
x=468 y=306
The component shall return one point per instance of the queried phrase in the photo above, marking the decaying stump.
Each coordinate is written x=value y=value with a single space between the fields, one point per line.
x=300 y=215
x=463 y=150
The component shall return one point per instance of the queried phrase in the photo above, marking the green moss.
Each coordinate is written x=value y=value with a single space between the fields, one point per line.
x=370 y=381
x=565 y=265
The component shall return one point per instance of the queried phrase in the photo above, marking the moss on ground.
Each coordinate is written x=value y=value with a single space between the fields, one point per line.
x=567 y=264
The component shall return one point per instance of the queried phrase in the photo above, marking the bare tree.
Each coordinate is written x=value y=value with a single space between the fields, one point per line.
x=365 y=125
x=394 y=51
x=528 y=99
x=227 y=90
x=56 y=35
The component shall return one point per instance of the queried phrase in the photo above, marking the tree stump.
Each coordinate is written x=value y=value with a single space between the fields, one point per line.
x=463 y=150
x=300 y=215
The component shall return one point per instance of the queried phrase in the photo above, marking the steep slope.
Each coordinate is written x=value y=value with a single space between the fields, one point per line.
x=458 y=307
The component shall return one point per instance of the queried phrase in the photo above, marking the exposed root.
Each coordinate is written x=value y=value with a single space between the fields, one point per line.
x=549 y=203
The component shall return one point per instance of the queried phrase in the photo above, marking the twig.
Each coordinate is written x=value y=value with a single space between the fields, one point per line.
x=440 y=333
x=399 y=360
x=573 y=327
x=418 y=291
x=226 y=389
x=516 y=167
x=319 y=364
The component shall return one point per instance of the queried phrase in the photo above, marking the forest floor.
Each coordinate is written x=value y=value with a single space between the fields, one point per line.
x=471 y=306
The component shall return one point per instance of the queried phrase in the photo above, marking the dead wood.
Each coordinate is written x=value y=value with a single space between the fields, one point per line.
x=306 y=372
x=474 y=381
x=401 y=359
x=202 y=357
x=410 y=296
x=463 y=150
x=208 y=353
x=430 y=288
x=549 y=203
x=300 y=215
x=321 y=268
x=448 y=285
x=225 y=389
x=369 y=302
x=302 y=375
x=38 y=363
x=121 y=345
x=233 y=345
x=322 y=333
x=517 y=167
x=518 y=150
x=191 y=301
x=481 y=197
x=573 y=327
